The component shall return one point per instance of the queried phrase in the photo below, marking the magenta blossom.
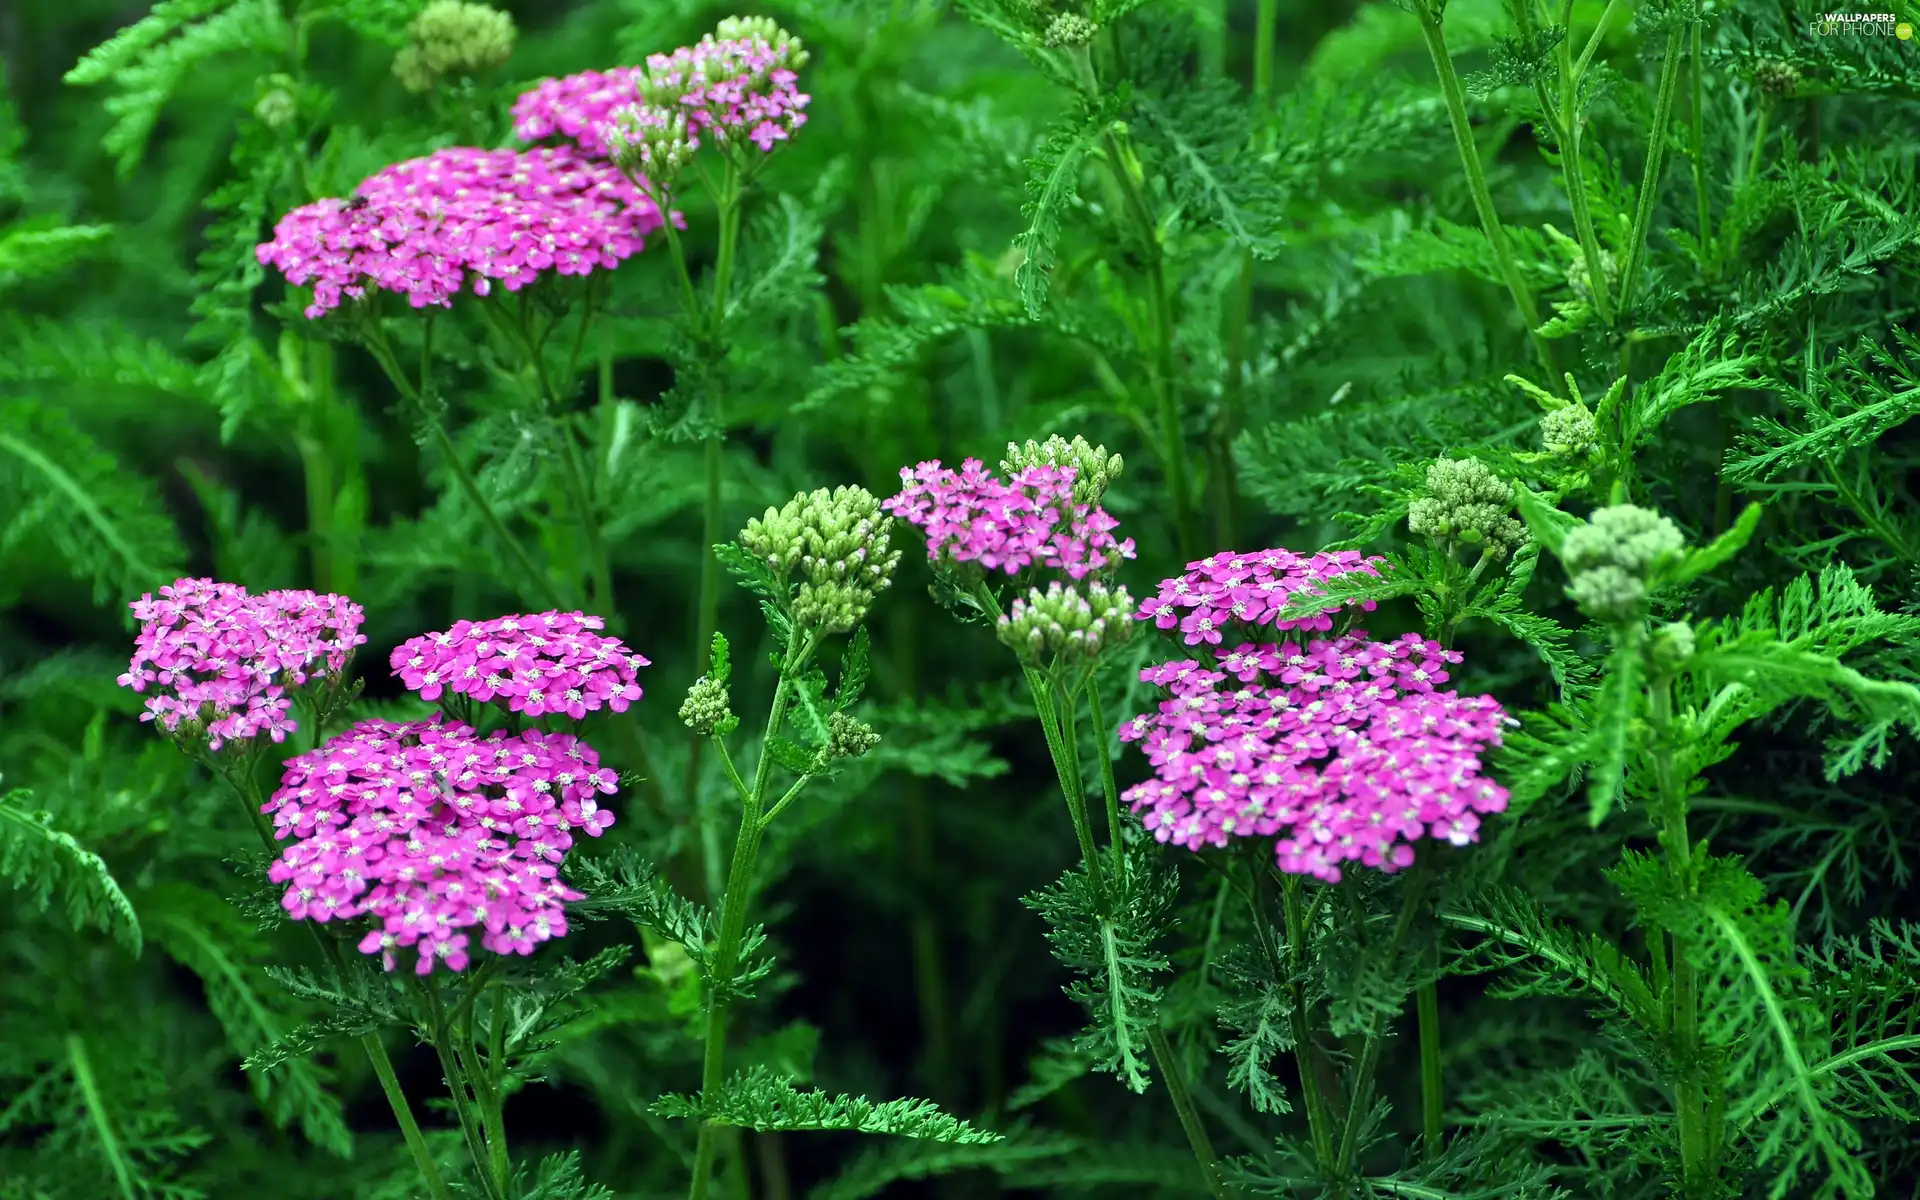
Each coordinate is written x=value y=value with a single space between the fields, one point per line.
x=1344 y=751
x=550 y=662
x=425 y=227
x=971 y=516
x=739 y=84
x=224 y=659
x=432 y=829
x=1248 y=589
x=578 y=107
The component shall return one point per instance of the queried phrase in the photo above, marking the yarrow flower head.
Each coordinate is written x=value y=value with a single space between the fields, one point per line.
x=838 y=542
x=1094 y=470
x=708 y=710
x=1249 y=589
x=550 y=662
x=426 y=227
x=431 y=830
x=1068 y=626
x=848 y=737
x=740 y=83
x=1613 y=557
x=578 y=107
x=1031 y=519
x=1344 y=750
x=1467 y=503
x=453 y=37
x=220 y=660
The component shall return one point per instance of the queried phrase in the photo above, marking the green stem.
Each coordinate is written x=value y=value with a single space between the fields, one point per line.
x=1361 y=1094
x=83 y=1077
x=1650 y=180
x=492 y=1109
x=1124 y=167
x=574 y=479
x=248 y=794
x=383 y=354
x=1690 y=1101
x=458 y=1086
x=1057 y=730
x=1305 y=1049
x=733 y=924
x=1431 y=1099
x=1196 y=1133
x=1567 y=129
x=1435 y=35
x=1108 y=788
x=1696 y=117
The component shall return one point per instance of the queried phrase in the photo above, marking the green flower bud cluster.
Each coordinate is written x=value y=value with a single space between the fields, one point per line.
x=453 y=37
x=1094 y=470
x=277 y=106
x=1069 y=29
x=1613 y=558
x=707 y=709
x=688 y=70
x=1569 y=432
x=1467 y=503
x=653 y=143
x=1067 y=626
x=1581 y=281
x=847 y=737
x=1672 y=645
x=1774 y=77
x=840 y=544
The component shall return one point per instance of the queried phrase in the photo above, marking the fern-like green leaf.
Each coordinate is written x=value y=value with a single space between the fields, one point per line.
x=764 y=1102
x=1053 y=184
x=44 y=862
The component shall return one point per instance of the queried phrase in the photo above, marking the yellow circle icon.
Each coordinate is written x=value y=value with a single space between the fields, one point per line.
x=1903 y=31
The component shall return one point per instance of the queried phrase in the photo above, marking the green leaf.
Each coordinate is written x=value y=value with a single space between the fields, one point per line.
x=764 y=1102
x=1548 y=523
x=751 y=573
x=203 y=933
x=1053 y=184
x=1719 y=550
x=28 y=253
x=1110 y=950
x=720 y=664
x=853 y=671
x=1613 y=713
x=1383 y=581
x=44 y=862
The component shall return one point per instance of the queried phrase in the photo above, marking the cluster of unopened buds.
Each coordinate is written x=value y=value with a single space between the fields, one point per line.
x=1031 y=519
x=219 y=661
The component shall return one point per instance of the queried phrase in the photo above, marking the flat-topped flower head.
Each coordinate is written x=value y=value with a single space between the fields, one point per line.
x=971 y=517
x=839 y=544
x=579 y=108
x=1343 y=750
x=1235 y=592
x=538 y=664
x=1466 y=502
x=220 y=661
x=432 y=830
x=1612 y=559
x=460 y=217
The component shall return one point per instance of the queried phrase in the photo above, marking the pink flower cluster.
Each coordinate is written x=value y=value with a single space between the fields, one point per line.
x=1248 y=589
x=972 y=516
x=432 y=829
x=222 y=659
x=550 y=662
x=732 y=84
x=419 y=228
x=1345 y=750
x=577 y=107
